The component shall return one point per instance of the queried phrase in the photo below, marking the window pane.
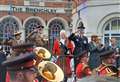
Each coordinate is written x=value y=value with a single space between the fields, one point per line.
x=114 y=25
x=106 y=40
x=119 y=24
x=106 y=35
x=107 y=27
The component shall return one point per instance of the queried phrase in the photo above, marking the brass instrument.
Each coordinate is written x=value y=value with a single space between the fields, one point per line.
x=42 y=53
x=50 y=71
x=47 y=69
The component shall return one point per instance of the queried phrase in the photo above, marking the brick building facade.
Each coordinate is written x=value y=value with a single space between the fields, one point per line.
x=25 y=15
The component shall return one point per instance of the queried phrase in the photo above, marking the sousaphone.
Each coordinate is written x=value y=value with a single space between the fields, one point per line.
x=50 y=71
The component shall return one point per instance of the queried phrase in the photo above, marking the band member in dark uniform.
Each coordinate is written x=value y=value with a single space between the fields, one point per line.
x=80 y=41
x=106 y=68
x=82 y=69
x=37 y=37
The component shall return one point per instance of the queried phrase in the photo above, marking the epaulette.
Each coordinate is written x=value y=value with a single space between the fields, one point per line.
x=109 y=72
x=100 y=68
x=84 y=66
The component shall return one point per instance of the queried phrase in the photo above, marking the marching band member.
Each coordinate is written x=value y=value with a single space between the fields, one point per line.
x=82 y=69
x=106 y=68
x=21 y=68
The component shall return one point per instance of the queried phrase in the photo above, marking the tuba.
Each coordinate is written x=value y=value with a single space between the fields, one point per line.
x=50 y=71
x=41 y=54
x=47 y=69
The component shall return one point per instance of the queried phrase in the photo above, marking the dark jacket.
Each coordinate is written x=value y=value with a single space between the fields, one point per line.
x=81 y=44
x=2 y=69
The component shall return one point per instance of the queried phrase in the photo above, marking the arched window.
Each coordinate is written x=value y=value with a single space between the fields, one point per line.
x=31 y=24
x=8 y=26
x=54 y=30
x=112 y=29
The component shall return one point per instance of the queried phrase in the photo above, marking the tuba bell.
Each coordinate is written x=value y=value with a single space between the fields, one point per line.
x=50 y=71
x=41 y=54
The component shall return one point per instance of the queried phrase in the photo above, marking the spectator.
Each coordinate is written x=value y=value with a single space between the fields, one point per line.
x=95 y=49
x=63 y=48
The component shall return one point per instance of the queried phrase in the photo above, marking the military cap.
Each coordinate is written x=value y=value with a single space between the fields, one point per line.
x=106 y=53
x=82 y=53
x=113 y=68
x=40 y=26
x=25 y=47
x=81 y=26
x=21 y=62
x=17 y=33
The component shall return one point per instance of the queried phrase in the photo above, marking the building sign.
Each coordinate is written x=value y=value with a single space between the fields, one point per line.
x=29 y=9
